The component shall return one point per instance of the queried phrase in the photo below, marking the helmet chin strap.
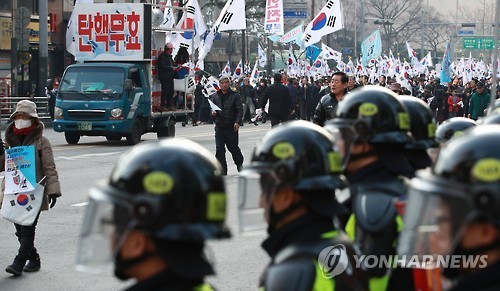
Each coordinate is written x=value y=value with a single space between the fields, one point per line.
x=452 y=273
x=275 y=217
x=122 y=265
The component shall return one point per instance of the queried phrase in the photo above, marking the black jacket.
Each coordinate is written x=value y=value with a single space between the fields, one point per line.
x=279 y=98
x=167 y=280
x=293 y=249
x=231 y=108
x=486 y=279
x=325 y=110
x=165 y=66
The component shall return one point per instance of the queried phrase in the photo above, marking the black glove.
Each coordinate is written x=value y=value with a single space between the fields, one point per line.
x=52 y=200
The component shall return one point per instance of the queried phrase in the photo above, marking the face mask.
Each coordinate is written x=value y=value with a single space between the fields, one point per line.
x=22 y=123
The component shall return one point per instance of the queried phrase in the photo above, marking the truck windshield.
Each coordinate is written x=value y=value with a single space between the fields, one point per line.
x=92 y=82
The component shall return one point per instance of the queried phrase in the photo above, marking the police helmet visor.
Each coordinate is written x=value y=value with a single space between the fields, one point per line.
x=255 y=185
x=345 y=136
x=102 y=233
x=432 y=227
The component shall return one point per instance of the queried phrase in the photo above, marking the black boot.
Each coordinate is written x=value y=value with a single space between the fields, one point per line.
x=34 y=262
x=17 y=266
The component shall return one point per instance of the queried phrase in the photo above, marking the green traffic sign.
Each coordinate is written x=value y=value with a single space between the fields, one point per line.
x=485 y=42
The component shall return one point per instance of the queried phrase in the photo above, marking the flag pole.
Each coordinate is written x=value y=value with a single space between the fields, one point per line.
x=495 y=60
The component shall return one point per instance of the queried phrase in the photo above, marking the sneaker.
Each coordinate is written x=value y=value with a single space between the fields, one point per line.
x=255 y=123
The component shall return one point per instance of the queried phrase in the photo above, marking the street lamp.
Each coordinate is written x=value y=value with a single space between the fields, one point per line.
x=397 y=47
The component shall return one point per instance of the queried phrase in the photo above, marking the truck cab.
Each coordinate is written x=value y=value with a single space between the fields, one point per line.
x=104 y=99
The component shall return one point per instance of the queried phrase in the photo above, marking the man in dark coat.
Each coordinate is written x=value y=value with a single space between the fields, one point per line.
x=280 y=101
x=166 y=76
x=227 y=124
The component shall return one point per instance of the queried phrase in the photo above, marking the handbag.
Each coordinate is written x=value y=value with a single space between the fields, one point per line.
x=23 y=208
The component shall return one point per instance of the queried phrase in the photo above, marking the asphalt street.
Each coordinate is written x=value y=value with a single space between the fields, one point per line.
x=238 y=261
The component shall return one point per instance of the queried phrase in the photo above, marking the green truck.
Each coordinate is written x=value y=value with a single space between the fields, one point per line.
x=113 y=90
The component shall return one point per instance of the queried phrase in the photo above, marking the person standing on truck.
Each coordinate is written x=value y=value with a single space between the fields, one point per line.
x=166 y=77
x=227 y=123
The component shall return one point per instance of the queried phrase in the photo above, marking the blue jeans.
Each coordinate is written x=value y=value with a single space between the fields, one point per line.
x=227 y=137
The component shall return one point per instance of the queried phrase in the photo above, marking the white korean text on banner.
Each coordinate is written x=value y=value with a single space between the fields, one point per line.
x=112 y=32
x=20 y=169
x=273 y=23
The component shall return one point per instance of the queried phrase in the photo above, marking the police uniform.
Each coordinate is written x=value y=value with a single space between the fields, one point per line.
x=300 y=156
x=375 y=116
x=177 y=201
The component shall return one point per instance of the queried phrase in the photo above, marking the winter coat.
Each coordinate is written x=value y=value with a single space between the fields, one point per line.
x=44 y=159
x=231 y=108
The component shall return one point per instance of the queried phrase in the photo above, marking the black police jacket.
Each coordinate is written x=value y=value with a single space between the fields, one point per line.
x=374 y=223
x=325 y=110
x=231 y=108
x=294 y=251
x=166 y=280
x=486 y=279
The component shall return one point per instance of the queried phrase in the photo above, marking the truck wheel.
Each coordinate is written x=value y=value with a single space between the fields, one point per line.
x=166 y=131
x=113 y=137
x=171 y=128
x=134 y=136
x=72 y=137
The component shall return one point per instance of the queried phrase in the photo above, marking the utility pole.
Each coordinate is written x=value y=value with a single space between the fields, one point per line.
x=43 y=48
x=243 y=49
x=362 y=20
x=495 y=58
x=269 y=57
x=355 y=31
x=422 y=32
x=13 y=52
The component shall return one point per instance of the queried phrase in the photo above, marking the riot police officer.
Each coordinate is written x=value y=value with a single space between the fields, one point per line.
x=372 y=128
x=152 y=217
x=423 y=129
x=453 y=209
x=292 y=178
x=449 y=129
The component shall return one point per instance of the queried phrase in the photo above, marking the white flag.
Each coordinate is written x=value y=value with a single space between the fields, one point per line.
x=213 y=106
x=227 y=70
x=328 y=20
x=293 y=67
x=206 y=45
x=232 y=16
x=168 y=17
x=330 y=54
x=238 y=72
x=254 y=77
x=191 y=19
x=262 y=56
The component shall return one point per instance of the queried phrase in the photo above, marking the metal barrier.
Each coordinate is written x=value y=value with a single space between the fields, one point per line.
x=8 y=106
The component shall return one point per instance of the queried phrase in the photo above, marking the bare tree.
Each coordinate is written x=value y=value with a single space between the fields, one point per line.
x=483 y=16
x=402 y=19
x=437 y=30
